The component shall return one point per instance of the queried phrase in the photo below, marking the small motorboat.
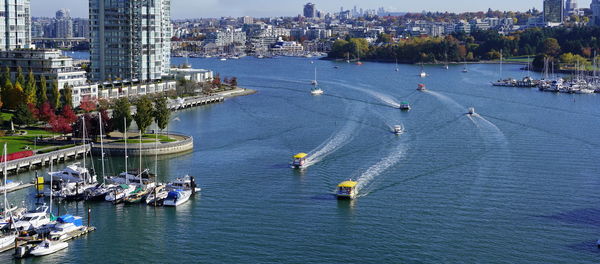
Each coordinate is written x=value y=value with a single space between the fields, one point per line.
x=48 y=247
x=421 y=87
x=66 y=224
x=223 y=59
x=137 y=196
x=423 y=74
x=471 y=111
x=404 y=106
x=347 y=190
x=186 y=183
x=177 y=197
x=9 y=185
x=398 y=129
x=299 y=161
x=33 y=219
x=317 y=91
x=7 y=239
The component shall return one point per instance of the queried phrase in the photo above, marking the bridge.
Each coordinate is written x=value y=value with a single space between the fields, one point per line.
x=58 y=43
x=41 y=160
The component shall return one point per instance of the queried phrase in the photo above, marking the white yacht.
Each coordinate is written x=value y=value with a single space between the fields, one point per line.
x=33 y=219
x=73 y=173
x=317 y=91
x=7 y=239
x=48 y=247
x=185 y=183
x=157 y=196
x=471 y=111
x=119 y=193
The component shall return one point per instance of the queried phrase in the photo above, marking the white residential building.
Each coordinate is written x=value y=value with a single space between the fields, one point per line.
x=15 y=24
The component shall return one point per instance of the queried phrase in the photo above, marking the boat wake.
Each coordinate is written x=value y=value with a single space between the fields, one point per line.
x=483 y=123
x=365 y=180
x=336 y=141
x=446 y=100
x=384 y=98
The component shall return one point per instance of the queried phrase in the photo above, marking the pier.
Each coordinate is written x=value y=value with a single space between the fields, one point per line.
x=71 y=235
x=195 y=101
x=41 y=160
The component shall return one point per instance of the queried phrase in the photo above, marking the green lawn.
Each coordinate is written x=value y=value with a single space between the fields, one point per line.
x=161 y=138
x=133 y=141
x=6 y=117
x=523 y=59
x=18 y=143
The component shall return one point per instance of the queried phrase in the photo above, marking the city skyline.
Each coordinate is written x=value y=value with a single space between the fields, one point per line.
x=267 y=8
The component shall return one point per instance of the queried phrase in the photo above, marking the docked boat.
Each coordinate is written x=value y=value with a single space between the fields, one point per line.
x=223 y=59
x=9 y=185
x=73 y=173
x=97 y=193
x=137 y=196
x=48 y=247
x=133 y=176
x=421 y=87
x=177 y=197
x=157 y=196
x=404 y=106
x=65 y=225
x=299 y=161
x=118 y=193
x=186 y=183
x=33 y=219
x=398 y=129
x=7 y=238
x=347 y=190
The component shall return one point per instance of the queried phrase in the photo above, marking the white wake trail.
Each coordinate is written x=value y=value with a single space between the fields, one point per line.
x=447 y=100
x=387 y=99
x=370 y=174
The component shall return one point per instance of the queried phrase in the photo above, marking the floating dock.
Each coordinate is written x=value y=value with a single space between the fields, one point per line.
x=71 y=235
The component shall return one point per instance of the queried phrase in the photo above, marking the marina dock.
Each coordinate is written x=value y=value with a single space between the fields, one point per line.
x=41 y=160
x=20 y=187
x=72 y=235
x=195 y=101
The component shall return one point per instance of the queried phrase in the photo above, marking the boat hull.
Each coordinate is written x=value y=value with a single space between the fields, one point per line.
x=43 y=251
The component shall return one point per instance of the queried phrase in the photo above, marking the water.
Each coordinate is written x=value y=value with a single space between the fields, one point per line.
x=517 y=184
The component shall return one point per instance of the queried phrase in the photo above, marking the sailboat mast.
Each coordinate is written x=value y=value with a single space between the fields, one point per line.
x=141 y=182
x=51 y=187
x=6 y=172
x=83 y=143
x=101 y=146
x=125 y=136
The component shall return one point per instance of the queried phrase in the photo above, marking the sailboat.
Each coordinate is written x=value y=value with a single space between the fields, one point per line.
x=158 y=193
x=118 y=193
x=347 y=57
x=446 y=64
x=100 y=191
x=397 y=69
x=465 y=70
x=358 y=62
x=423 y=74
x=316 y=90
x=6 y=238
x=142 y=191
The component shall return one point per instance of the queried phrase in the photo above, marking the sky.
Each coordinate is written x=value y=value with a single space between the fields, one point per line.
x=268 y=8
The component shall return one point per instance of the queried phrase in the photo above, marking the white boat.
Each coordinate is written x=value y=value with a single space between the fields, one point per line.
x=398 y=129
x=471 y=111
x=33 y=219
x=404 y=106
x=223 y=59
x=72 y=173
x=119 y=193
x=7 y=239
x=317 y=91
x=48 y=247
x=65 y=225
x=185 y=183
x=423 y=74
x=177 y=197
x=9 y=185
x=157 y=196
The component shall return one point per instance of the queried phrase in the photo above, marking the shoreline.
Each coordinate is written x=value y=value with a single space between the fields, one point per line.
x=431 y=63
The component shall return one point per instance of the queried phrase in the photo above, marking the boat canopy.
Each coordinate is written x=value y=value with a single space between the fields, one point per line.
x=348 y=184
x=300 y=156
x=404 y=103
x=124 y=186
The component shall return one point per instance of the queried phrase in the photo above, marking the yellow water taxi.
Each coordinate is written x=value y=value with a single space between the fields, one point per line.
x=299 y=161
x=346 y=190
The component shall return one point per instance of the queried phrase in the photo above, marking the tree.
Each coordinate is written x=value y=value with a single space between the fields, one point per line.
x=42 y=96
x=5 y=75
x=143 y=116
x=68 y=113
x=46 y=113
x=30 y=90
x=59 y=124
x=233 y=82
x=55 y=95
x=87 y=105
x=67 y=95
x=551 y=47
x=14 y=96
x=122 y=114
x=20 y=76
x=23 y=116
x=162 y=114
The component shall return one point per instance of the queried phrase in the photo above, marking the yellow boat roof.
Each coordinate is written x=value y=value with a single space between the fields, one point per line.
x=300 y=155
x=348 y=184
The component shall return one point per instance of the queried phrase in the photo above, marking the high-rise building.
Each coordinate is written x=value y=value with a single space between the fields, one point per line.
x=553 y=12
x=81 y=28
x=63 y=24
x=571 y=6
x=15 y=24
x=310 y=10
x=130 y=39
x=595 y=6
